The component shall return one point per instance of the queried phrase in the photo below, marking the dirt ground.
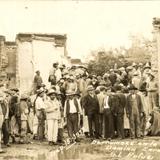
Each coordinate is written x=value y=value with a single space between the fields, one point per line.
x=141 y=149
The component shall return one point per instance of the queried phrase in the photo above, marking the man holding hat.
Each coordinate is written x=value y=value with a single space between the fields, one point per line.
x=91 y=107
x=52 y=115
x=135 y=111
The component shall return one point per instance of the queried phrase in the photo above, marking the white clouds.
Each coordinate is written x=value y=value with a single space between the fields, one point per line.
x=87 y=24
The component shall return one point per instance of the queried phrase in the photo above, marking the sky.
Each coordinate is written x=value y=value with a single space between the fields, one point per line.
x=89 y=25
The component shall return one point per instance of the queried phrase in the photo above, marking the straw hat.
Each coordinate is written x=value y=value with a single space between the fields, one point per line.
x=51 y=91
x=90 y=88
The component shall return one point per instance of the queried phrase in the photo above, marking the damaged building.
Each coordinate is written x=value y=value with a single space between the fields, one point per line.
x=30 y=52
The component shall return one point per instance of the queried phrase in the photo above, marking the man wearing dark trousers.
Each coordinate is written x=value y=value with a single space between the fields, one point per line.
x=91 y=107
x=5 y=125
x=109 y=104
x=120 y=111
x=71 y=111
x=135 y=111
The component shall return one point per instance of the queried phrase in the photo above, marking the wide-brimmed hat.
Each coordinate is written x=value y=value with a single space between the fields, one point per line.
x=15 y=89
x=147 y=66
x=39 y=91
x=70 y=93
x=134 y=64
x=37 y=71
x=151 y=74
x=135 y=73
x=129 y=68
x=90 y=88
x=51 y=91
x=71 y=78
x=122 y=69
x=140 y=64
x=132 y=87
x=24 y=96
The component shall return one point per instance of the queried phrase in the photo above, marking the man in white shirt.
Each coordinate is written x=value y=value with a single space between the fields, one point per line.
x=40 y=107
x=53 y=116
x=71 y=111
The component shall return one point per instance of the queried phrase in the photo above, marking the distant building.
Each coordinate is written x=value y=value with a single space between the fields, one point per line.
x=76 y=62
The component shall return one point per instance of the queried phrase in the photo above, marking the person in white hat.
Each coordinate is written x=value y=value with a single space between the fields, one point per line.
x=71 y=85
x=52 y=116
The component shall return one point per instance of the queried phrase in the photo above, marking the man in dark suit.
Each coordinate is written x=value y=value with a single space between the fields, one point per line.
x=91 y=107
x=120 y=111
x=134 y=111
x=109 y=105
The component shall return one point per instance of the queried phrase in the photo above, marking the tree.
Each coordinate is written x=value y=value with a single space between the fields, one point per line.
x=103 y=61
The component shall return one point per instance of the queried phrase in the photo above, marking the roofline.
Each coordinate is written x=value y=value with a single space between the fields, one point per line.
x=64 y=36
x=10 y=43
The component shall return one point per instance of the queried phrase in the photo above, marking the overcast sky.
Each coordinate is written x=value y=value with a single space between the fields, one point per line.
x=88 y=25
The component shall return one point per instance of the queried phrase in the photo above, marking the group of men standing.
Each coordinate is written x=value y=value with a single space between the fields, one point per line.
x=115 y=105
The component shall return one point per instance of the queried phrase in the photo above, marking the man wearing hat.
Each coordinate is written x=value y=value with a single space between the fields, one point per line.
x=101 y=97
x=3 y=111
x=40 y=112
x=112 y=77
x=24 y=112
x=52 y=115
x=152 y=89
x=71 y=111
x=14 y=116
x=91 y=107
x=121 y=103
x=52 y=77
x=136 y=80
x=135 y=111
x=71 y=85
x=37 y=81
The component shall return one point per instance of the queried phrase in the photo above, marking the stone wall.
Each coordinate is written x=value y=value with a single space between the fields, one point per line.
x=37 y=52
x=10 y=51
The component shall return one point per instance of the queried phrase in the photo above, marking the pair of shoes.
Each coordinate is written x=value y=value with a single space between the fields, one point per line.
x=7 y=145
x=21 y=142
x=61 y=142
x=2 y=151
x=55 y=143
x=77 y=140
x=50 y=143
x=72 y=141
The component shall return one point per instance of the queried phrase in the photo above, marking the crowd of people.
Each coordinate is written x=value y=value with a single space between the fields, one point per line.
x=122 y=103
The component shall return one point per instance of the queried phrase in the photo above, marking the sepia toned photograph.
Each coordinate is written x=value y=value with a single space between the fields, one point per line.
x=79 y=80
